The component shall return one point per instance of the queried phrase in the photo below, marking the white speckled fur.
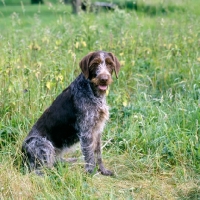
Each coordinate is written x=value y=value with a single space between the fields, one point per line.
x=102 y=69
x=43 y=147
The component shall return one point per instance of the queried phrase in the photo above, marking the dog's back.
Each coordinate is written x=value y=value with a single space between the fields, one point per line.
x=54 y=130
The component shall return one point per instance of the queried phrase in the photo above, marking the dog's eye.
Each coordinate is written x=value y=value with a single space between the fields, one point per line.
x=94 y=66
x=95 y=63
x=109 y=63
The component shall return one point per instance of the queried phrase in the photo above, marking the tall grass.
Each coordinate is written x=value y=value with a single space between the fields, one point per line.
x=152 y=139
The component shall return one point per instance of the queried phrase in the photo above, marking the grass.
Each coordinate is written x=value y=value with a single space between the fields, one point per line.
x=152 y=139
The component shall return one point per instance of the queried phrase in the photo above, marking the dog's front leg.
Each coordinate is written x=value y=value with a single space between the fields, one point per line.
x=86 y=141
x=102 y=169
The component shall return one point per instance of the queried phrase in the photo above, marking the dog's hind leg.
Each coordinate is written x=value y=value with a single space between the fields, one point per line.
x=38 y=152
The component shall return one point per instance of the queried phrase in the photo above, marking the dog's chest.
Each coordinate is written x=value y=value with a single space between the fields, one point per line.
x=101 y=117
x=93 y=117
x=98 y=116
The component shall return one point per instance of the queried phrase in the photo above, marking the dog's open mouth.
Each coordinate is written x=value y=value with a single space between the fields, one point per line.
x=103 y=87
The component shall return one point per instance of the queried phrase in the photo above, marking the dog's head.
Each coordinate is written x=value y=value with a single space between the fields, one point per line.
x=98 y=68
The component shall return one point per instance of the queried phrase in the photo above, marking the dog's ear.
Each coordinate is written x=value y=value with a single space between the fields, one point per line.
x=116 y=64
x=84 y=64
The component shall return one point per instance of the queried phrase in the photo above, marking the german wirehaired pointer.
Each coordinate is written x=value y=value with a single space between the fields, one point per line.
x=78 y=113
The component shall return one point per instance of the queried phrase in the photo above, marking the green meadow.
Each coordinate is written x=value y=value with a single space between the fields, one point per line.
x=152 y=140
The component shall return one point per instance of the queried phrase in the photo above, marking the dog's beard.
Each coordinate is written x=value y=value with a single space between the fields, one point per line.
x=100 y=87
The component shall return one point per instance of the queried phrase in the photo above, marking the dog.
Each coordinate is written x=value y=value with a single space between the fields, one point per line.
x=79 y=113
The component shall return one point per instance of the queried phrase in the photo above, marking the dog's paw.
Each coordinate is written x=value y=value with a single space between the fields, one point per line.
x=106 y=172
x=90 y=168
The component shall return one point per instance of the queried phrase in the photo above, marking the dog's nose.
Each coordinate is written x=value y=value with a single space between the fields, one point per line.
x=104 y=78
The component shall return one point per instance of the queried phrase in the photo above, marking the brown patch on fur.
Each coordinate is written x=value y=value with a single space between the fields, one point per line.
x=97 y=81
x=116 y=64
x=96 y=61
x=84 y=64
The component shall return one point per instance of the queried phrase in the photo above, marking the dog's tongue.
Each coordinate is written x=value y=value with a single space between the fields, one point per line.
x=102 y=87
